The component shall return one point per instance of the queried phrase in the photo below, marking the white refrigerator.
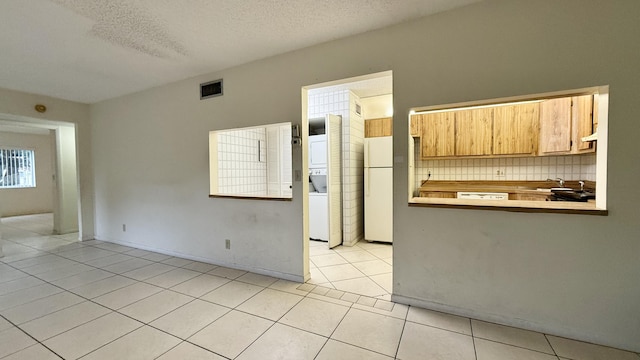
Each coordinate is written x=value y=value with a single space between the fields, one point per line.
x=378 y=189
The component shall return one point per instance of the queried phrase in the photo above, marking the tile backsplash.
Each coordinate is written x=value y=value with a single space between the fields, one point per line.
x=568 y=167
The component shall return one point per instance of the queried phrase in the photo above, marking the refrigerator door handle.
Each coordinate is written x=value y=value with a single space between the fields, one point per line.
x=366 y=183
x=366 y=154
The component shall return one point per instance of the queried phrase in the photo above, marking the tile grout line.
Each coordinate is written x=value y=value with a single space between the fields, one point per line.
x=404 y=325
x=29 y=335
x=336 y=328
x=91 y=299
x=334 y=252
x=111 y=311
x=516 y=346
x=141 y=281
x=114 y=274
x=473 y=339
x=551 y=346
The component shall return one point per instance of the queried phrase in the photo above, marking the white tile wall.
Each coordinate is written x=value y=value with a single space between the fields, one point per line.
x=353 y=186
x=238 y=155
x=568 y=167
x=342 y=102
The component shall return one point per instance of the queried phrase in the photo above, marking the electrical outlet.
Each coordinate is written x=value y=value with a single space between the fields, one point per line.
x=124 y=227
x=227 y=244
x=501 y=172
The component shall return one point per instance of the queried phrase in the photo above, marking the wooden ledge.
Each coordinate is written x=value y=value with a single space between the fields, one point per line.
x=554 y=207
x=240 y=197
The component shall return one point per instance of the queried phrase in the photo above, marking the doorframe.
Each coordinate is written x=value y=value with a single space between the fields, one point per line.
x=53 y=126
x=305 y=154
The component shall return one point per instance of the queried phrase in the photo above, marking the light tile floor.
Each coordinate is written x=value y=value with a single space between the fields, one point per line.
x=364 y=269
x=60 y=298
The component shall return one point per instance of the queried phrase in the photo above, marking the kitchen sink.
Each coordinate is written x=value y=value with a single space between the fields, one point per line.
x=572 y=195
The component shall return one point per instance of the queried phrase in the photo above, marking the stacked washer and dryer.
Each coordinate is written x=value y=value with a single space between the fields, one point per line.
x=318 y=202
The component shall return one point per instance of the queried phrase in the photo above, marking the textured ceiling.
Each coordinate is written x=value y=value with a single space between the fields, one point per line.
x=92 y=50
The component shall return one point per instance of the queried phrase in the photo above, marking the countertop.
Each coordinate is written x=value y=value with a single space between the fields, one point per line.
x=538 y=188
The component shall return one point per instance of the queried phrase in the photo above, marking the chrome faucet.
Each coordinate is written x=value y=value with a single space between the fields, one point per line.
x=559 y=180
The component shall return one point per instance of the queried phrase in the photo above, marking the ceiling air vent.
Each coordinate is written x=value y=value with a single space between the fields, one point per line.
x=211 y=89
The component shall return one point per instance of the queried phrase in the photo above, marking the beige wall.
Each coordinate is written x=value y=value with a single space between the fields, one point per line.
x=376 y=107
x=19 y=106
x=571 y=275
x=37 y=199
x=65 y=219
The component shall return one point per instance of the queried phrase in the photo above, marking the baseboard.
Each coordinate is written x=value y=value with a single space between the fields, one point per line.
x=276 y=274
x=352 y=242
x=503 y=320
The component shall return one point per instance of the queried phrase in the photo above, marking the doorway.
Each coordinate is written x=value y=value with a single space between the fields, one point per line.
x=350 y=264
x=55 y=191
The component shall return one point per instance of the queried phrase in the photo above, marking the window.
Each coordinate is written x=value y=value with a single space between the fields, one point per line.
x=17 y=168
x=538 y=151
x=253 y=162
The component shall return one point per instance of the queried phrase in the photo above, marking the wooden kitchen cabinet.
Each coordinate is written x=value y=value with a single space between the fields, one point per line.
x=555 y=126
x=540 y=128
x=584 y=123
x=437 y=134
x=414 y=125
x=473 y=132
x=515 y=129
x=563 y=124
x=378 y=127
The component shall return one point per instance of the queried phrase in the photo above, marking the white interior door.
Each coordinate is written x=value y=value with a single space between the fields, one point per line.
x=333 y=128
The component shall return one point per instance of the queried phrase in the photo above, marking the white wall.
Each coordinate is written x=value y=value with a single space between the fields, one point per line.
x=571 y=275
x=376 y=107
x=34 y=200
x=66 y=185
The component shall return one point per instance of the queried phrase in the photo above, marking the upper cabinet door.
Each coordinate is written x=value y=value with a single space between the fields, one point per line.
x=474 y=131
x=555 y=126
x=583 y=123
x=515 y=129
x=438 y=134
x=378 y=127
x=414 y=125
